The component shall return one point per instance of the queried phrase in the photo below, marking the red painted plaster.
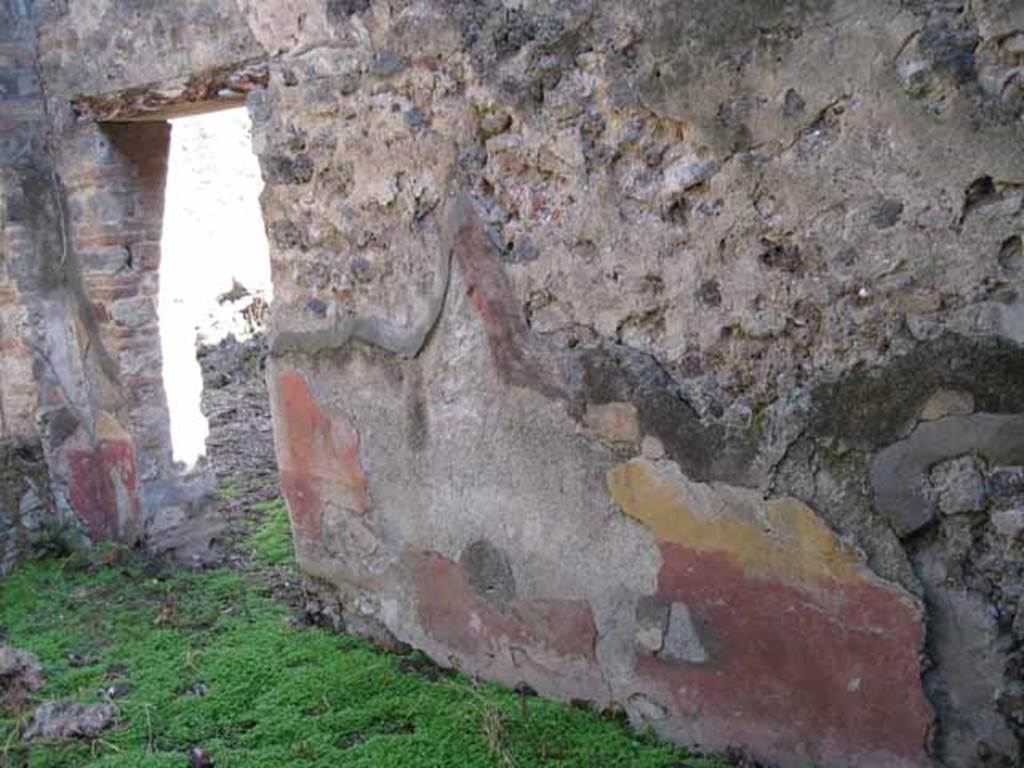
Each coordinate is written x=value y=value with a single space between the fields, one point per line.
x=515 y=357
x=95 y=477
x=833 y=680
x=319 y=458
x=455 y=614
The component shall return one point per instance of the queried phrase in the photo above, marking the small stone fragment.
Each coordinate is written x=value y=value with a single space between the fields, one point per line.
x=362 y=269
x=494 y=123
x=651 y=619
x=1009 y=522
x=195 y=689
x=687 y=172
x=116 y=691
x=652 y=448
x=199 y=758
x=886 y=213
x=386 y=63
x=67 y=719
x=339 y=11
x=522 y=252
x=947 y=402
x=710 y=293
x=20 y=672
x=417 y=119
x=643 y=708
x=793 y=103
x=958 y=486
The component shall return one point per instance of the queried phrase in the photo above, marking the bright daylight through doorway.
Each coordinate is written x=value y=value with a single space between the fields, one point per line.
x=213 y=247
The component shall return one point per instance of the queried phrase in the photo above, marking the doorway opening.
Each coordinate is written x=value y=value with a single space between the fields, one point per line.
x=215 y=266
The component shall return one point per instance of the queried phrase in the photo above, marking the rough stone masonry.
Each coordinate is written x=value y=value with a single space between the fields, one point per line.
x=667 y=355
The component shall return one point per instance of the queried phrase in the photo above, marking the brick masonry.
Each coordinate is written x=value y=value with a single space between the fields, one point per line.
x=81 y=207
x=114 y=178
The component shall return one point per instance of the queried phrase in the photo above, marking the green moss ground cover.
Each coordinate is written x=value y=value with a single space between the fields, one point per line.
x=211 y=659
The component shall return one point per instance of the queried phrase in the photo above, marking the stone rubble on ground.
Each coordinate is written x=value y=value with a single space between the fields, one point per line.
x=69 y=720
x=20 y=673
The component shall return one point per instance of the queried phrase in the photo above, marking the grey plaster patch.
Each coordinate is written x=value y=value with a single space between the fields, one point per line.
x=652 y=616
x=970 y=649
x=682 y=641
x=489 y=571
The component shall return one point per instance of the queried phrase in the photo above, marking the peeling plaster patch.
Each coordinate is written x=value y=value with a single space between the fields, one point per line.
x=780 y=539
x=456 y=613
x=682 y=642
x=615 y=422
x=103 y=481
x=548 y=644
x=490 y=291
x=771 y=619
x=778 y=677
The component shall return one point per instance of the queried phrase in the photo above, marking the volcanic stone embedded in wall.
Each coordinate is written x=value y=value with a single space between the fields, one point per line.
x=962 y=480
x=896 y=472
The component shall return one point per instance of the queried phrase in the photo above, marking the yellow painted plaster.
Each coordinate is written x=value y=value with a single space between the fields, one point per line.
x=780 y=539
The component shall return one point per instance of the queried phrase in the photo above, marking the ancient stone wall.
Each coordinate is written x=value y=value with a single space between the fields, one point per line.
x=666 y=355
x=74 y=377
x=81 y=206
x=599 y=327
x=21 y=121
x=114 y=184
x=29 y=228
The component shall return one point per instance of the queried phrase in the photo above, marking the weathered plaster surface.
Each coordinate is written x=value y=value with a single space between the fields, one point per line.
x=766 y=587
x=730 y=237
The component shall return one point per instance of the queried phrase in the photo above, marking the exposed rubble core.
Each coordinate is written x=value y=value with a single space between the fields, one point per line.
x=240 y=446
x=20 y=673
x=29 y=523
x=666 y=355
